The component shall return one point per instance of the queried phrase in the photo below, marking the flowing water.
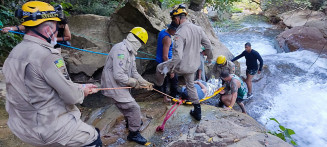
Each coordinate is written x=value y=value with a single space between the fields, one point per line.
x=287 y=89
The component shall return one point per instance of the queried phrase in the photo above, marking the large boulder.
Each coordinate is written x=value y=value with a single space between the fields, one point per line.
x=301 y=37
x=307 y=18
x=99 y=33
x=91 y=36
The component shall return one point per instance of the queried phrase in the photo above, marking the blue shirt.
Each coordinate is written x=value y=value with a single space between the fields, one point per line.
x=201 y=94
x=161 y=36
x=199 y=91
x=251 y=59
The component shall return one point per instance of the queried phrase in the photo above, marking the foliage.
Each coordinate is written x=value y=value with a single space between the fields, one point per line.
x=323 y=6
x=290 y=4
x=236 y=9
x=247 y=4
x=283 y=133
x=65 y=5
x=7 y=40
x=222 y=6
x=172 y=3
x=99 y=7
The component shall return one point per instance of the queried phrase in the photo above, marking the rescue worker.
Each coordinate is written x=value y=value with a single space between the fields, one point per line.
x=41 y=97
x=223 y=64
x=120 y=71
x=186 y=55
x=237 y=88
x=164 y=53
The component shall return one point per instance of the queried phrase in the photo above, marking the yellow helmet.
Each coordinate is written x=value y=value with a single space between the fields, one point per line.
x=34 y=13
x=221 y=60
x=141 y=33
x=181 y=9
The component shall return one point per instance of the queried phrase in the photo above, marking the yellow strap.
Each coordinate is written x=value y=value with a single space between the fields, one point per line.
x=206 y=98
x=148 y=143
x=230 y=107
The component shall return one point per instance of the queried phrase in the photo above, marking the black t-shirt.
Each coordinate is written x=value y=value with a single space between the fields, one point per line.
x=251 y=59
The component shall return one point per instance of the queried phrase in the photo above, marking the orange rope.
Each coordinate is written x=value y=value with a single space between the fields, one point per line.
x=113 y=88
x=164 y=93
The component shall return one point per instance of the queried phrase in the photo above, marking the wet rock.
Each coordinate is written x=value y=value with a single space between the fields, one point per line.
x=217 y=128
x=302 y=38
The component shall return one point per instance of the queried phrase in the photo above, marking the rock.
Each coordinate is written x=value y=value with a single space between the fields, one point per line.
x=196 y=5
x=302 y=38
x=301 y=17
x=217 y=128
x=307 y=18
x=213 y=14
x=99 y=33
x=84 y=30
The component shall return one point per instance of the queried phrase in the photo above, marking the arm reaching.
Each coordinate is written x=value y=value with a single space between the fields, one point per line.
x=239 y=56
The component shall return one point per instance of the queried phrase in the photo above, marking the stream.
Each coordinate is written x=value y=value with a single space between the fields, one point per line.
x=288 y=89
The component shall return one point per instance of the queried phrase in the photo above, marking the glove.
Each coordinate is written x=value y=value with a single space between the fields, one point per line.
x=145 y=84
x=134 y=83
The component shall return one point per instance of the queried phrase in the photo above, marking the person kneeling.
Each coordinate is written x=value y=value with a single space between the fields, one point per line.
x=237 y=88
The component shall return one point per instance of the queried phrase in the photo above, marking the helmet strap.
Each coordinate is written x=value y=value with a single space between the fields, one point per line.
x=48 y=39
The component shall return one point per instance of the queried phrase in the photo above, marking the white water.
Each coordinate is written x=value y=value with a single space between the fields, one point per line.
x=289 y=91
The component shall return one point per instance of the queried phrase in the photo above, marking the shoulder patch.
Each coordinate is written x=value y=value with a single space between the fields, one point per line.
x=59 y=63
x=121 y=56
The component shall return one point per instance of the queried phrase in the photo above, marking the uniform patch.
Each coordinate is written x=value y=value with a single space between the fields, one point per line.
x=59 y=63
x=121 y=56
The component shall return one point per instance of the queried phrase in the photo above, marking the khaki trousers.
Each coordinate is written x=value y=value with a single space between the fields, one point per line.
x=132 y=112
x=189 y=80
x=84 y=135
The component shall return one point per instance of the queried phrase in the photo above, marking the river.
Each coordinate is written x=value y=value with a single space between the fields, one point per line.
x=288 y=88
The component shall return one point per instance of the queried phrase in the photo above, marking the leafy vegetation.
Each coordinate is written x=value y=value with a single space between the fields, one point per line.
x=7 y=40
x=283 y=132
x=172 y=3
x=236 y=9
x=99 y=7
x=65 y=5
x=290 y=4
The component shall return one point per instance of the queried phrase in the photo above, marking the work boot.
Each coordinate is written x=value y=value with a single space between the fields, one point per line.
x=196 y=113
x=136 y=137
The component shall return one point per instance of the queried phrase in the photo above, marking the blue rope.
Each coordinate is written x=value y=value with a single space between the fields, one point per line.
x=84 y=50
x=81 y=35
